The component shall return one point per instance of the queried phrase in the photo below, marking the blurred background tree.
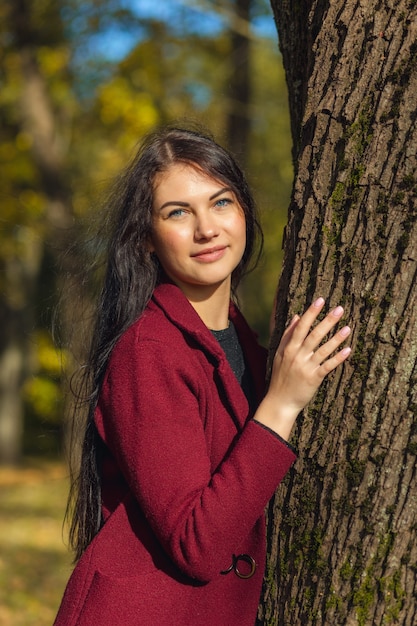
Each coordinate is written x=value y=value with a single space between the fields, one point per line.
x=81 y=82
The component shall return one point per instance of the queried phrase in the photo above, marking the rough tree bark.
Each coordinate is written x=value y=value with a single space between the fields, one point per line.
x=343 y=530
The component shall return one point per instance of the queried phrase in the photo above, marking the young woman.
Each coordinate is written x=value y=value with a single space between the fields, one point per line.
x=183 y=448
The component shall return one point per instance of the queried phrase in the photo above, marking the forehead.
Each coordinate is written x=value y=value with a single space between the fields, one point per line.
x=182 y=176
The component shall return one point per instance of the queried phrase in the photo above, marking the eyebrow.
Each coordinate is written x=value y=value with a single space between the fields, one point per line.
x=186 y=204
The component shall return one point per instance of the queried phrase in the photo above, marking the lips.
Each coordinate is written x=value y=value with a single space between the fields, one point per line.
x=210 y=254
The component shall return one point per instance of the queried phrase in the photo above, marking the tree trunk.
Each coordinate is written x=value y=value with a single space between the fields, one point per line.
x=37 y=119
x=238 y=118
x=342 y=531
x=11 y=406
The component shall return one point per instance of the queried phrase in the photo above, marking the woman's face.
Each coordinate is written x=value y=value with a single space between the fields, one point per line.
x=198 y=229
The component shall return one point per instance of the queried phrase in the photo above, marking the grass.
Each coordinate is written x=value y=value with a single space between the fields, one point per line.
x=34 y=561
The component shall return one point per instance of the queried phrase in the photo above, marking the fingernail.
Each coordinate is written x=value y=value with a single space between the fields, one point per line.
x=319 y=302
x=345 y=331
x=346 y=351
x=337 y=311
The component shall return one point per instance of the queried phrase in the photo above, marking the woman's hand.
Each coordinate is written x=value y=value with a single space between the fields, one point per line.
x=300 y=364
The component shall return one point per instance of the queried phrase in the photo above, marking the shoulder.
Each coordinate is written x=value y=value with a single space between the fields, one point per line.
x=167 y=334
x=151 y=334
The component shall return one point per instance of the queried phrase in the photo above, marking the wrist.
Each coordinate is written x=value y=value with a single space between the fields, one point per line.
x=277 y=416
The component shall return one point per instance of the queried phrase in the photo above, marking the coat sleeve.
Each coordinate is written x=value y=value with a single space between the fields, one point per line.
x=150 y=415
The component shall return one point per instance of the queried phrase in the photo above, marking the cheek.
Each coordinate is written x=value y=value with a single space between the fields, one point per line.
x=238 y=227
x=168 y=243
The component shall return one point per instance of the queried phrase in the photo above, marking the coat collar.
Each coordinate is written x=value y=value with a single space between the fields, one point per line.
x=180 y=312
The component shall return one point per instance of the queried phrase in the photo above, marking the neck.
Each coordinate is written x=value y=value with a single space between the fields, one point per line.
x=211 y=304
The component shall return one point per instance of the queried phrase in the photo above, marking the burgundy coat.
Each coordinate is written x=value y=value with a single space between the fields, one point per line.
x=185 y=480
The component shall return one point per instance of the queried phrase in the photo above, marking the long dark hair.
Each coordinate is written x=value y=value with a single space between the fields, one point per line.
x=131 y=276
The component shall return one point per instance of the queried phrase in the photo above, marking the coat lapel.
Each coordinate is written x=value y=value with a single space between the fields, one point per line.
x=176 y=306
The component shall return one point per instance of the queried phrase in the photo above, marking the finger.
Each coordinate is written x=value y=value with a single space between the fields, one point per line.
x=331 y=364
x=323 y=328
x=290 y=328
x=331 y=345
x=307 y=320
x=288 y=333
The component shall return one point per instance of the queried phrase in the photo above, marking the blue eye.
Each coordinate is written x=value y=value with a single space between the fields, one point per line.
x=223 y=202
x=176 y=213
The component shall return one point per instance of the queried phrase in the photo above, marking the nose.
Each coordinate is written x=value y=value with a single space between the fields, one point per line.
x=205 y=226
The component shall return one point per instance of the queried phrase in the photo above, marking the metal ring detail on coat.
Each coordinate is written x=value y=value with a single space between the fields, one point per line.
x=246 y=558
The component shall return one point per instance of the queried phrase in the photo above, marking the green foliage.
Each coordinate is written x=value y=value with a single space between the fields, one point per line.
x=42 y=392
x=95 y=109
